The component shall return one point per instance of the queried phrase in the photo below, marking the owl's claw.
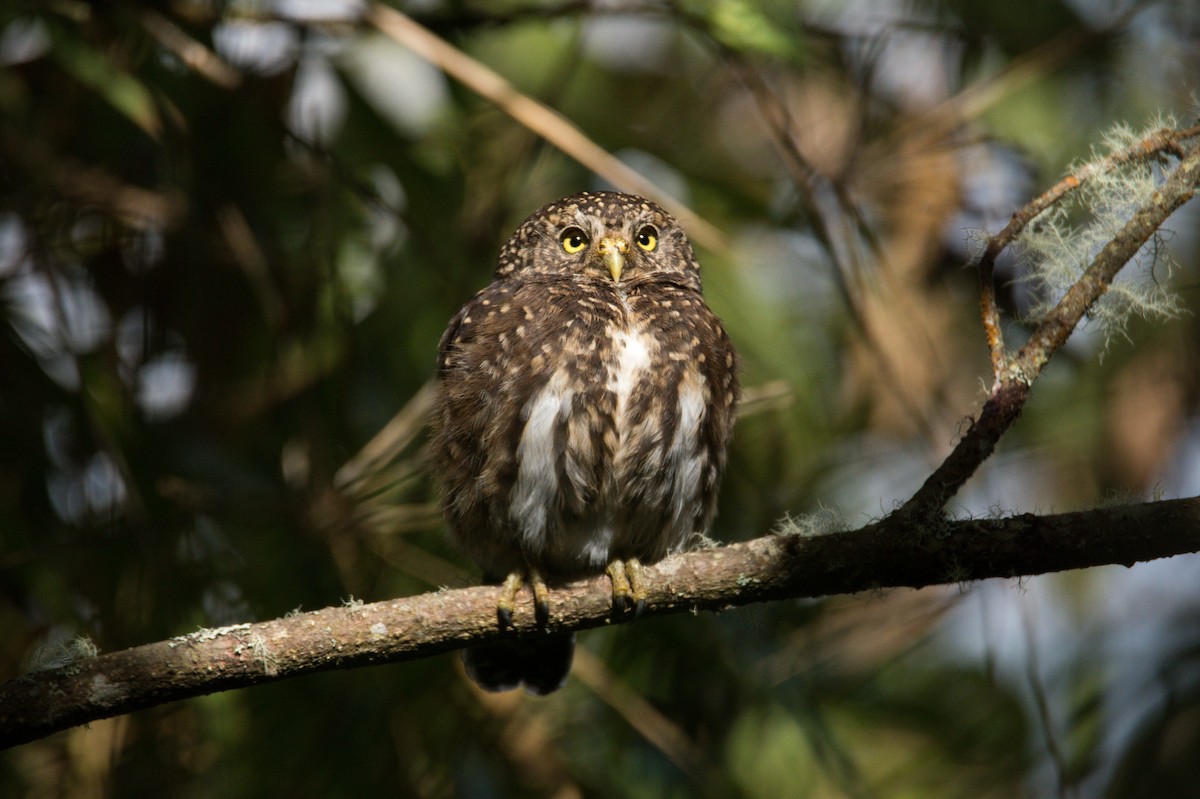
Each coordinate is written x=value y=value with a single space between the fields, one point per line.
x=637 y=581
x=507 y=603
x=628 y=586
x=541 y=598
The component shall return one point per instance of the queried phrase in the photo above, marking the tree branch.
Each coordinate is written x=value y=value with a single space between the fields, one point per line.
x=1015 y=376
x=1165 y=140
x=889 y=553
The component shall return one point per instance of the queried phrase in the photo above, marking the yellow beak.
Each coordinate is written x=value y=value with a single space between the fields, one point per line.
x=613 y=250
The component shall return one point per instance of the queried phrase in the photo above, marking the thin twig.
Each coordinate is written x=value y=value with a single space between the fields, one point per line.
x=989 y=312
x=975 y=100
x=660 y=731
x=387 y=445
x=194 y=55
x=828 y=204
x=539 y=118
x=1042 y=704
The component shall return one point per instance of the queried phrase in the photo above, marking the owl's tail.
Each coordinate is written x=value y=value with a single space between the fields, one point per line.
x=539 y=662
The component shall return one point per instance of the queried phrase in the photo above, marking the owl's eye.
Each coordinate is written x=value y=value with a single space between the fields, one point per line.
x=647 y=238
x=573 y=240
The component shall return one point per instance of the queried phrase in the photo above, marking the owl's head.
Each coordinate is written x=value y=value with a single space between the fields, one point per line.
x=603 y=235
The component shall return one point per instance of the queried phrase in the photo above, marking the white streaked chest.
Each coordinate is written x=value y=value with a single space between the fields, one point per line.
x=638 y=497
x=630 y=365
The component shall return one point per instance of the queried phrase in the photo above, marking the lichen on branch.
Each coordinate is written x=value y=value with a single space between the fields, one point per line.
x=1057 y=245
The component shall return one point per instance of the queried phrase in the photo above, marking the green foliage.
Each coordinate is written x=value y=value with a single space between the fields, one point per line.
x=747 y=27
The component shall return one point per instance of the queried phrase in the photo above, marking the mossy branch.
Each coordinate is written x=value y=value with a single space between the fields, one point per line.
x=890 y=553
x=1015 y=375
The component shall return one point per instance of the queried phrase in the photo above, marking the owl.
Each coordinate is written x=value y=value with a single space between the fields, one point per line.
x=586 y=398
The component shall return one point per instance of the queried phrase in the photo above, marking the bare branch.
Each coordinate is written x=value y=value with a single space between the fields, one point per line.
x=889 y=553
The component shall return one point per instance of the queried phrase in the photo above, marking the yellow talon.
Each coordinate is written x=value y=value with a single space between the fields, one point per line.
x=637 y=584
x=507 y=602
x=506 y=605
x=541 y=598
x=628 y=585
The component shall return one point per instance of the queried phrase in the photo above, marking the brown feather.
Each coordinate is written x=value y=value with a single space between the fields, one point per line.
x=582 y=419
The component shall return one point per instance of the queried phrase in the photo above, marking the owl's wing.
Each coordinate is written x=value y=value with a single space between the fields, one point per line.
x=720 y=368
x=490 y=363
x=452 y=336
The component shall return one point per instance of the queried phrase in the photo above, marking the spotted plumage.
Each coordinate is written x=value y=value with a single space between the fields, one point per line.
x=586 y=398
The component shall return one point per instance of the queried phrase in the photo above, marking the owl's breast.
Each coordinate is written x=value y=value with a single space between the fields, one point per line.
x=629 y=365
x=610 y=461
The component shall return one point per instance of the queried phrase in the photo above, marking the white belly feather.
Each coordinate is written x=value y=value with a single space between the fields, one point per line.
x=536 y=488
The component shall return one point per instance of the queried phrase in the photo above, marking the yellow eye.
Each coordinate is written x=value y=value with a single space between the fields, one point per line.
x=573 y=240
x=647 y=238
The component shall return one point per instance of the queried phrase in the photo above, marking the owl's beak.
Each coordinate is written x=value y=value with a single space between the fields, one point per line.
x=613 y=250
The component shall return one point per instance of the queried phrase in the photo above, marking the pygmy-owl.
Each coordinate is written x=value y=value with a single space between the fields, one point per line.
x=585 y=401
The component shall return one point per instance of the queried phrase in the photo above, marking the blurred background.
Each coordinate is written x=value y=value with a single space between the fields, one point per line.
x=231 y=234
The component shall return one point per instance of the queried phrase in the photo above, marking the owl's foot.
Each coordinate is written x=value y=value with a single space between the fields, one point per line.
x=508 y=598
x=629 y=585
